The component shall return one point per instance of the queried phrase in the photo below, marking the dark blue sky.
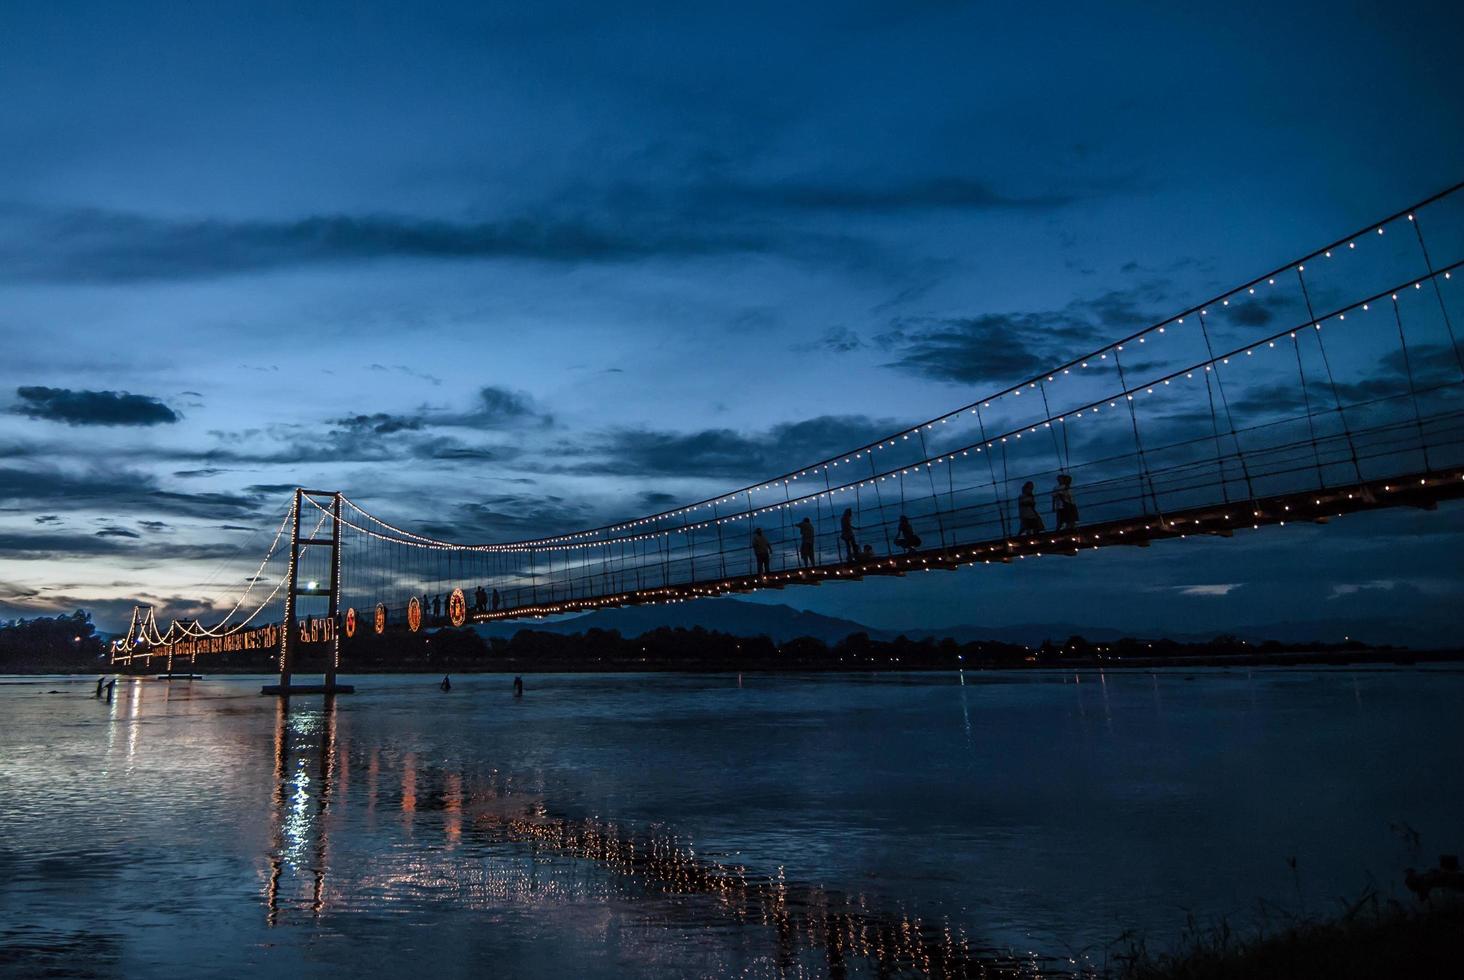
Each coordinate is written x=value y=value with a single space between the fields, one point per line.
x=515 y=270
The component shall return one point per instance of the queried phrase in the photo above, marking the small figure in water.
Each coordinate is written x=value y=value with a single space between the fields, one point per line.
x=518 y=687
x=437 y=607
x=905 y=536
x=496 y=601
x=1031 y=521
x=846 y=535
x=762 y=550
x=805 y=543
x=100 y=681
x=1064 y=509
x=480 y=600
x=446 y=684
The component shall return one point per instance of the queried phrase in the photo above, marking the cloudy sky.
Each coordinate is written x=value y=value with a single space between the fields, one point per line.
x=431 y=253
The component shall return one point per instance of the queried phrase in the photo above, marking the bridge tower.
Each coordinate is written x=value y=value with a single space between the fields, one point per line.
x=291 y=631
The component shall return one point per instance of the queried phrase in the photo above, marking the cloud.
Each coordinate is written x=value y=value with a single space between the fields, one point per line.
x=835 y=340
x=622 y=222
x=92 y=407
x=990 y=347
x=111 y=246
x=52 y=546
x=501 y=517
x=500 y=406
x=725 y=453
x=379 y=423
x=383 y=436
x=1343 y=589
x=116 y=491
x=431 y=379
x=48 y=519
x=923 y=193
x=1432 y=366
x=269 y=489
x=1007 y=347
x=1252 y=313
x=1214 y=591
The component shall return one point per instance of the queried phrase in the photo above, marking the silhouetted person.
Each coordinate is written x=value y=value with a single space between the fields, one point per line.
x=805 y=543
x=518 y=687
x=480 y=600
x=1064 y=509
x=905 y=536
x=868 y=553
x=100 y=681
x=1031 y=521
x=446 y=684
x=437 y=607
x=496 y=600
x=846 y=535
x=761 y=550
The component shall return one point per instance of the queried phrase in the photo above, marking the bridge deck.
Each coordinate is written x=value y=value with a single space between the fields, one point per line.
x=1422 y=490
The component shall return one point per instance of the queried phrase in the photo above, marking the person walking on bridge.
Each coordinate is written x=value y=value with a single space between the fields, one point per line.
x=762 y=550
x=846 y=535
x=805 y=543
x=480 y=600
x=1030 y=520
x=497 y=600
x=436 y=608
x=1064 y=509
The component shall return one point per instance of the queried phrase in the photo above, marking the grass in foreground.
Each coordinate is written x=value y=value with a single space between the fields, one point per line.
x=1371 y=939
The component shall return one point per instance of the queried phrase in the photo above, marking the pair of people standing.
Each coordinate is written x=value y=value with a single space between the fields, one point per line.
x=1064 y=507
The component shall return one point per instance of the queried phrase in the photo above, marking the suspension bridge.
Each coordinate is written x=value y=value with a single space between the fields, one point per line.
x=1326 y=386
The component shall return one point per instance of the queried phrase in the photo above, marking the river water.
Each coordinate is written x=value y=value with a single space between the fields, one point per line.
x=688 y=826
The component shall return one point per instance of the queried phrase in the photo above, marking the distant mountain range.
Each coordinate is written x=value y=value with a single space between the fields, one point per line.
x=782 y=623
x=733 y=616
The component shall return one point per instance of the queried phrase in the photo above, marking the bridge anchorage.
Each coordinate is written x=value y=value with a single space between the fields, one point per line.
x=1328 y=386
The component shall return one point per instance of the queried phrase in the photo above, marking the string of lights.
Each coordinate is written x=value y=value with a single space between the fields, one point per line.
x=1112 y=400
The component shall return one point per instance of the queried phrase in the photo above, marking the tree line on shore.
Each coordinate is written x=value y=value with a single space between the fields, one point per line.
x=71 y=643
x=51 y=644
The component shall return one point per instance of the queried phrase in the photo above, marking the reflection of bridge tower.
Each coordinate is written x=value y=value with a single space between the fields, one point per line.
x=291 y=634
x=301 y=804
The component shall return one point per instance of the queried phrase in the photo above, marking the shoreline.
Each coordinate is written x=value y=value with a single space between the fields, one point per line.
x=1375 y=659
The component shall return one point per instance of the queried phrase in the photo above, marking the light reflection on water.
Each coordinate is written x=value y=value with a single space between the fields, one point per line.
x=672 y=826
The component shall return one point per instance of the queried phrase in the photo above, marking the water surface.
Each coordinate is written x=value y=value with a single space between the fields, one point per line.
x=670 y=826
